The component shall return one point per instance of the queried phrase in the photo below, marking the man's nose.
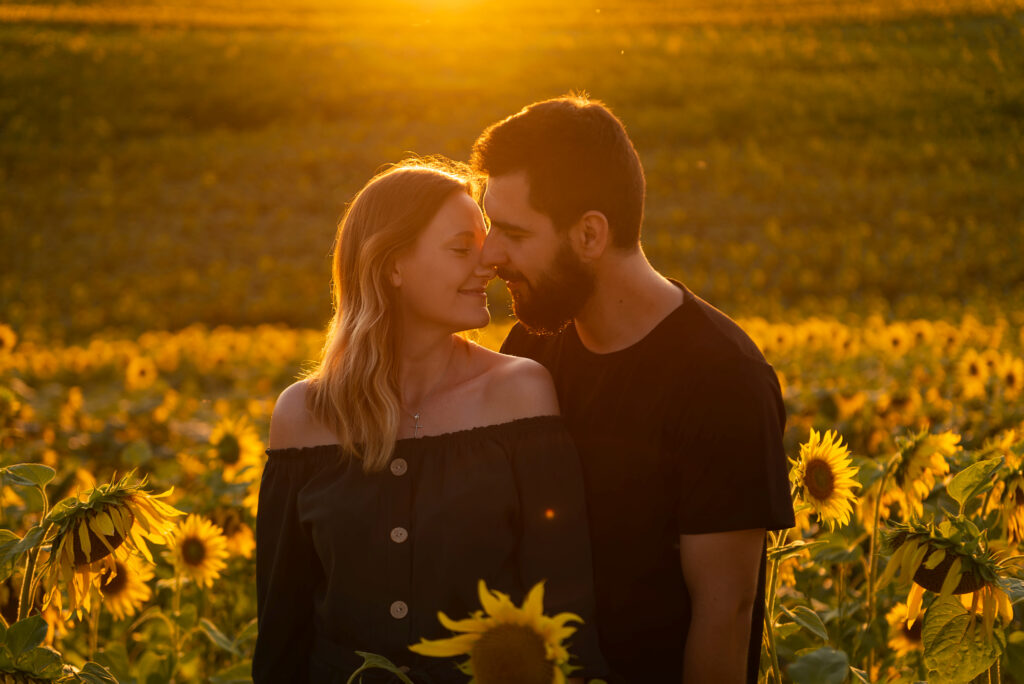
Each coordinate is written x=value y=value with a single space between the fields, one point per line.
x=493 y=253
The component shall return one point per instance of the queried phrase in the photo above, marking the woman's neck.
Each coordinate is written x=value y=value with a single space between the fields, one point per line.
x=425 y=363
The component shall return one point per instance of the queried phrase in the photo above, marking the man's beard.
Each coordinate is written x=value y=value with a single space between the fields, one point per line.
x=548 y=305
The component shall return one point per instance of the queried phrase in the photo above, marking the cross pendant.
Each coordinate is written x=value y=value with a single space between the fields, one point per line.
x=416 y=427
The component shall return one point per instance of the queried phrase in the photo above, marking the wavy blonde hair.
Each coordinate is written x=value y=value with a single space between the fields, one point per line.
x=353 y=389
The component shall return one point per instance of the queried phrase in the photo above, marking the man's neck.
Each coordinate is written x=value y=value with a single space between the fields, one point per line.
x=630 y=299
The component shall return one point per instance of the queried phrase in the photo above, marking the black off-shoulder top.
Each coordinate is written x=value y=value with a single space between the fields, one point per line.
x=348 y=561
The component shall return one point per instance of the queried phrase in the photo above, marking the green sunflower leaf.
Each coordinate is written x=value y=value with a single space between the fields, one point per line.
x=43 y=662
x=8 y=556
x=955 y=650
x=94 y=673
x=29 y=474
x=808 y=619
x=25 y=634
x=239 y=673
x=823 y=666
x=372 y=661
x=973 y=480
x=217 y=636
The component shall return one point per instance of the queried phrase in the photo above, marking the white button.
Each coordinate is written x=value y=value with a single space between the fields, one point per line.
x=399 y=610
x=399 y=535
x=399 y=466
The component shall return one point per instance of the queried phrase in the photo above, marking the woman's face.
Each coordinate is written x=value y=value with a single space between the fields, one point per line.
x=440 y=280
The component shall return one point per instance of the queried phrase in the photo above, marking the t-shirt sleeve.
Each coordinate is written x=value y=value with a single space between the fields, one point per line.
x=733 y=472
x=555 y=541
x=286 y=570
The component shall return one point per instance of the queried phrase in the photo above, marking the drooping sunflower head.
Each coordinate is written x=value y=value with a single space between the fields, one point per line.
x=198 y=550
x=89 y=527
x=824 y=478
x=508 y=644
x=947 y=559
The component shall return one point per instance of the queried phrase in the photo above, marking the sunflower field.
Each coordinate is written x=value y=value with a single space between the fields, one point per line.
x=843 y=177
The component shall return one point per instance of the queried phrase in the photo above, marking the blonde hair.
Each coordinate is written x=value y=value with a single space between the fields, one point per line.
x=353 y=390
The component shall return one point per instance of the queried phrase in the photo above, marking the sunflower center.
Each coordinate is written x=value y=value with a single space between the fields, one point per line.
x=193 y=551
x=228 y=449
x=511 y=654
x=914 y=633
x=114 y=584
x=228 y=521
x=1011 y=379
x=819 y=479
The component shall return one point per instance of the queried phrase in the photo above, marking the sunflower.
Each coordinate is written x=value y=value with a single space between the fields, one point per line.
x=938 y=559
x=198 y=550
x=124 y=589
x=923 y=457
x=510 y=644
x=973 y=373
x=896 y=340
x=239 y=536
x=237 y=445
x=1011 y=376
x=903 y=640
x=824 y=478
x=141 y=373
x=8 y=338
x=87 y=528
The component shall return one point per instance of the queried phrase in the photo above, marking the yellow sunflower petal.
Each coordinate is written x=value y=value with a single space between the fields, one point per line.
x=914 y=603
x=952 y=579
x=466 y=625
x=533 y=606
x=446 y=648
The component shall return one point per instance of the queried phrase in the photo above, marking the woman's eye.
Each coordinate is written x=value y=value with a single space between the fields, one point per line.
x=463 y=251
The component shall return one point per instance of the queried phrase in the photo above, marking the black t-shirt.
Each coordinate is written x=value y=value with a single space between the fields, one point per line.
x=680 y=433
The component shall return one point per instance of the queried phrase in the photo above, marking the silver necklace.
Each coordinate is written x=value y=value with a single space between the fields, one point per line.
x=416 y=415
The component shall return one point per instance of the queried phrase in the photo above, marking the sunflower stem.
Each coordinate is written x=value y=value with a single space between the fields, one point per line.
x=873 y=551
x=769 y=616
x=94 y=626
x=30 y=581
x=176 y=610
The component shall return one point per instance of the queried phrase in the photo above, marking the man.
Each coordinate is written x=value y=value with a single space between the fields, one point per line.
x=677 y=416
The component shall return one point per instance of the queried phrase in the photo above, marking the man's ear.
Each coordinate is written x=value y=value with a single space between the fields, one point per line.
x=590 y=236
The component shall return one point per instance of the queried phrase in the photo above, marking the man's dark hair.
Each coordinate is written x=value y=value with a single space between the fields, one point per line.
x=577 y=157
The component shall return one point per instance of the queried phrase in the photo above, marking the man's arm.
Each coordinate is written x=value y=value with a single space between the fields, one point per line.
x=721 y=571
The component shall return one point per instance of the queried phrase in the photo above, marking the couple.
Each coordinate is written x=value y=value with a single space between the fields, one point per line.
x=625 y=447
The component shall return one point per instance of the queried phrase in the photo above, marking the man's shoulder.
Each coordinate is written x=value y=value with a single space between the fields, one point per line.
x=714 y=339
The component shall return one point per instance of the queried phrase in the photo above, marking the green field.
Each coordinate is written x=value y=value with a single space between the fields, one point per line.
x=160 y=166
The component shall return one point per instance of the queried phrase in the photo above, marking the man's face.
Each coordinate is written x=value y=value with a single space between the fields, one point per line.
x=548 y=283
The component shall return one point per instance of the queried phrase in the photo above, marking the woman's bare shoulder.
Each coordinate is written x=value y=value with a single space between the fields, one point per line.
x=292 y=425
x=518 y=387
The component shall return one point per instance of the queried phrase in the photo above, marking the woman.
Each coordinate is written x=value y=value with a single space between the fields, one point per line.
x=411 y=463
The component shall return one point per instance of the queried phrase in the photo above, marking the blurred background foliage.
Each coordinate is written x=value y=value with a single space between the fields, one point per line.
x=165 y=164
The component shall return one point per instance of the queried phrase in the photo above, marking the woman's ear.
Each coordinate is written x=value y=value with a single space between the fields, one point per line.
x=395 y=273
x=589 y=236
